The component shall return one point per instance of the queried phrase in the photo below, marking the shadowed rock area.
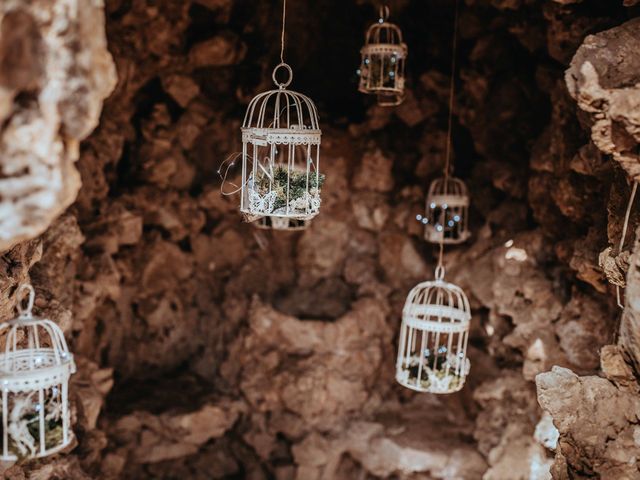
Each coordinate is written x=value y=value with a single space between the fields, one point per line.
x=210 y=349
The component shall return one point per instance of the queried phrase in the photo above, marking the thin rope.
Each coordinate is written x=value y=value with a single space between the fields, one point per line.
x=452 y=87
x=450 y=120
x=625 y=225
x=284 y=17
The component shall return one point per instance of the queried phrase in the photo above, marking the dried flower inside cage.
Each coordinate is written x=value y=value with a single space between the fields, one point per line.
x=281 y=155
x=35 y=367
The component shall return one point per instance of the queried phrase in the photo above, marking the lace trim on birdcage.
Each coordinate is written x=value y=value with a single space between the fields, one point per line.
x=22 y=381
x=450 y=200
x=415 y=310
x=286 y=136
x=398 y=49
x=434 y=326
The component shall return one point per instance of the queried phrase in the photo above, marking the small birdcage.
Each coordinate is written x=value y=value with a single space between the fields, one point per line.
x=35 y=368
x=447 y=211
x=281 y=155
x=383 y=59
x=432 y=356
x=282 y=223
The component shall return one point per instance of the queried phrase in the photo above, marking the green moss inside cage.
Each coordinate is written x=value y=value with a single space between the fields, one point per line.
x=295 y=182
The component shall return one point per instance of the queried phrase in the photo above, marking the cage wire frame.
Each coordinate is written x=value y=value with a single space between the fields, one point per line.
x=446 y=212
x=432 y=352
x=382 y=63
x=283 y=224
x=35 y=368
x=281 y=139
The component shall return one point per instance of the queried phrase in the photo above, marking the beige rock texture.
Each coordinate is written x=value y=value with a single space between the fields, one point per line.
x=55 y=72
x=209 y=349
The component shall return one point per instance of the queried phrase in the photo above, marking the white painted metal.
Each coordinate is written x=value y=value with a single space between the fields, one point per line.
x=432 y=356
x=382 y=62
x=35 y=368
x=282 y=224
x=447 y=212
x=281 y=155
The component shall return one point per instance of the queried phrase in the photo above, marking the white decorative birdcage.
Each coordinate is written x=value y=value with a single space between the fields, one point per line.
x=281 y=155
x=35 y=367
x=282 y=223
x=382 y=62
x=447 y=212
x=432 y=356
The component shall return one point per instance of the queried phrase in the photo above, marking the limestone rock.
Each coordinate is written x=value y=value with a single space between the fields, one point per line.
x=57 y=62
x=588 y=432
x=154 y=438
x=603 y=78
x=374 y=173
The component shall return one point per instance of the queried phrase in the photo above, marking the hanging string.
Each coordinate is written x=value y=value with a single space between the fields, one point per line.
x=624 y=233
x=447 y=162
x=284 y=17
x=452 y=87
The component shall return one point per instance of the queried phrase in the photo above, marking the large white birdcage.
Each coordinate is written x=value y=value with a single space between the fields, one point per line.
x=281 y=155
x=284 y=224
x=35 y=367
x=382 y=62
x=432 y=356
x=447 y=212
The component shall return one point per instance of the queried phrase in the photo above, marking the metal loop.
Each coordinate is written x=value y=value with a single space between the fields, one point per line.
x=25 y=312
x=275 y=80
x=439 y=272
x=384 y=13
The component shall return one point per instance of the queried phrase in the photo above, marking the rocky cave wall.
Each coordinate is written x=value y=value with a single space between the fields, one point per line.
x=210 y=349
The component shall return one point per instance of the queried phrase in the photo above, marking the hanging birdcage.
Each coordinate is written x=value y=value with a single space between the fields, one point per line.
x=432 y=356
x=35 y=368
x=281 y=155
x=282 y=223
x=447 y=212
x=382 y=64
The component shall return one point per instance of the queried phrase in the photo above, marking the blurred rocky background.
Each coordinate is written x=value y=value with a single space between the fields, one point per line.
x=208 y=349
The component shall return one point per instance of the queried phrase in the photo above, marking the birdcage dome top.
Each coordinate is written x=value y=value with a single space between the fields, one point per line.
x=384 y=37
x=448 y=186
x=33 y=350
x=281 y=116
x=437 y=305
x=449 y=190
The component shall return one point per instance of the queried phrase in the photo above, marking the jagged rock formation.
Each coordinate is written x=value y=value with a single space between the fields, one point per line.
x=210 y=349
x=55 y=71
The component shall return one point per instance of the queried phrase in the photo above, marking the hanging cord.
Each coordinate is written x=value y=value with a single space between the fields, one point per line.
x=284 y=17
x=447 y=163
x=624 y=234
x=452 y=87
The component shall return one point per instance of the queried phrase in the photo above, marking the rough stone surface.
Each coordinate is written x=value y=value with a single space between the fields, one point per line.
x=604 y=80
x=209 y=349
x=56 y=71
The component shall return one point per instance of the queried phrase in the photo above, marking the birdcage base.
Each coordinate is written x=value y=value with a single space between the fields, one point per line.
x=279 y=217
x=431 y=235
x=282 y=224
x=385 y=97
x=48 y=452
x=433 y=382
x=390 y=100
